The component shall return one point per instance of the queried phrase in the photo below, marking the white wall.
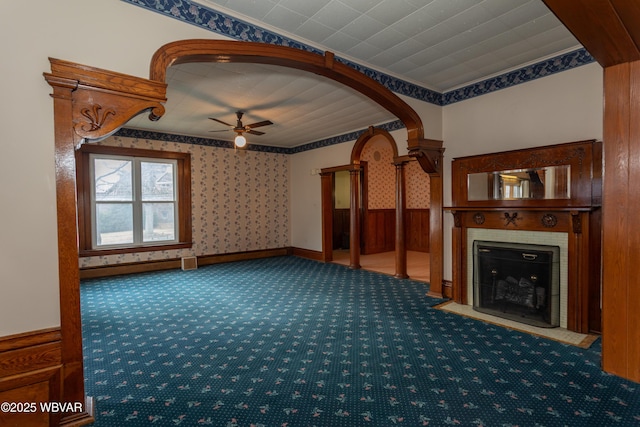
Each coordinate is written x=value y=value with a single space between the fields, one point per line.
x=560 y=108
x=106 y=34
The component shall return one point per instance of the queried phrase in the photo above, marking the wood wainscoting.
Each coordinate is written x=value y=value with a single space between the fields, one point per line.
x=379 y=231
x=417 y=229
x=30 y=374
x=341 y=228
x=379 y=234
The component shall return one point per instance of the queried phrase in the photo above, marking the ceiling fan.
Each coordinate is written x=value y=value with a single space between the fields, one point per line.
x=239 y=128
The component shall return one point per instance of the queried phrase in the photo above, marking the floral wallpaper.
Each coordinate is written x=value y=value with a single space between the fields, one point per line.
x=417 y=186
x=381 y=175
x=378 y=153
x=240 y=201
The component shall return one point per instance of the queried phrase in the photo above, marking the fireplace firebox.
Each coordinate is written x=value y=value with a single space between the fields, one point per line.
x=517 y=281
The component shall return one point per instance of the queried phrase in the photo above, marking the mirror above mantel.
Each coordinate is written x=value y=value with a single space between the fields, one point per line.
x=559 y=176
x=551 y=182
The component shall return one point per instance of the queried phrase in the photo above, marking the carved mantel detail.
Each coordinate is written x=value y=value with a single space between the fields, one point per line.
x=576 y=222
x=549 y=220
x=511 y=219
x=478 y=218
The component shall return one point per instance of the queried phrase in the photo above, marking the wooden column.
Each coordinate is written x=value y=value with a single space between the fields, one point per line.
x=458 y=252
x=69 y=275
x=610 y=31
x=621 y=222
x=436 y=245
x=401 y=244
x=429 y=153
x=326 y=179
x=89 y=104
x=354 y=223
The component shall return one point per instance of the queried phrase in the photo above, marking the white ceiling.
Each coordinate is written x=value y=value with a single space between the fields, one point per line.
x=438 y=44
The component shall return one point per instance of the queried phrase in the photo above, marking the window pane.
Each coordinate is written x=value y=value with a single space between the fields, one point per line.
x=157 y=181
x=158 y=222
x=112 y=180
x=114 y=223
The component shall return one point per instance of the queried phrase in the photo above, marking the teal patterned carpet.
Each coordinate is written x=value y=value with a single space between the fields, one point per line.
x=288 y=342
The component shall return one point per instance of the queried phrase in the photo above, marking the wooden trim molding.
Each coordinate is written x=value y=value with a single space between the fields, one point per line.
x=308 y=254
x=205 y=50
x=183 y=175
x=175 y=263
x=356 y=151
x=607 y=28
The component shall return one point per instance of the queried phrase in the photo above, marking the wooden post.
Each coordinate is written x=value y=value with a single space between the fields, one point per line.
x=401 y=245
x=354 y=223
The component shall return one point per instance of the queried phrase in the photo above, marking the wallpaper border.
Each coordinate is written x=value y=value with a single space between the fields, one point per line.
x=213 y=20
x=195 y=140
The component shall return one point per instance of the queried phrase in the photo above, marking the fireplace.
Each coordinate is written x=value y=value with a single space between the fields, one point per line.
x=493 y=201
x=517 y=281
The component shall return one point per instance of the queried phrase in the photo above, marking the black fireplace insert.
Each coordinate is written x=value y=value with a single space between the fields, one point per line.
x=517 y=281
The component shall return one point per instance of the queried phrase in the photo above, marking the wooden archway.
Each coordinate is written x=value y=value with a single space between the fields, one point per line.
x=354 y=168
x=91 y=104
x=427 y=152
x=355 y=234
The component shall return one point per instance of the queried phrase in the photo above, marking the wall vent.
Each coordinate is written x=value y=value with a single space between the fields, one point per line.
x=189 y=263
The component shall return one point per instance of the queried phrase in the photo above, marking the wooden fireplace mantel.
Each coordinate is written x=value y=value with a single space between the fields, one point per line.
x=578 y=215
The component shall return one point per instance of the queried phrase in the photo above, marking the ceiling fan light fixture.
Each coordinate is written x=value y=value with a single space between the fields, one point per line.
x=240 y=141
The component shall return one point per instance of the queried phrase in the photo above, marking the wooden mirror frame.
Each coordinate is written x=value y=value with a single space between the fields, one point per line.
x=91 y=104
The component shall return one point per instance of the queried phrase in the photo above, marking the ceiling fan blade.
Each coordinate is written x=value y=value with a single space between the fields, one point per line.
x=223 y=130
x=220 y=121
x=258 y=124
x=255 y=132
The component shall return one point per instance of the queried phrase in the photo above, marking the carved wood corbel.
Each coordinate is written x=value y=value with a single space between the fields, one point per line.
x=428 y=153
x=97 y=115
x=103 y=101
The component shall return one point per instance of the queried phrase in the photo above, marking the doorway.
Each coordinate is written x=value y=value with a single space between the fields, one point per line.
x=340 y=211
x=384 y=225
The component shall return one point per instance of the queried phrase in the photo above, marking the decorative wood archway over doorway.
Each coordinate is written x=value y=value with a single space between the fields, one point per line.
x=357 y=200
x=90 y=104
